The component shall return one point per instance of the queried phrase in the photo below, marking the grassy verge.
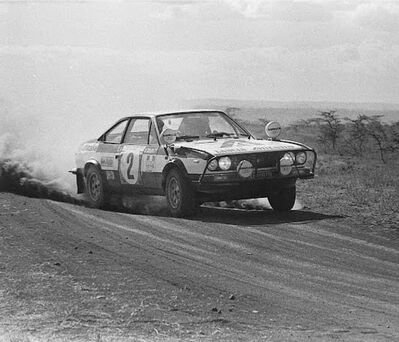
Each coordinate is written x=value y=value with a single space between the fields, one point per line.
x=365 y=191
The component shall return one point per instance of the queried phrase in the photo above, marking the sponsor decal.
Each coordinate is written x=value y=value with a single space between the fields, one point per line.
x=89 y=147
x=234 y=143
x=149 y=163
x=274 y=148
x=107 y=161
x=231 y=150
x=108 y=148
x=151 y=150
x=234 y=146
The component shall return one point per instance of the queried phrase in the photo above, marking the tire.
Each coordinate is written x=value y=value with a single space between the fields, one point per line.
x=180 y=196
x=94 y=189
x=283 y=200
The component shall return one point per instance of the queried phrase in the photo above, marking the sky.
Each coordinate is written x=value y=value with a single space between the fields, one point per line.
x=167 y=50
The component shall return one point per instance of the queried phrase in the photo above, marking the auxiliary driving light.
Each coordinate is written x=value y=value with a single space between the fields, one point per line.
x=286 y=163
x=273 y=129
x=245 y=169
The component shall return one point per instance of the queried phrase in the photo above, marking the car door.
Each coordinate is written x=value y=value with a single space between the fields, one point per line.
x=130 y=158
x=109 y=147
x=154 y=160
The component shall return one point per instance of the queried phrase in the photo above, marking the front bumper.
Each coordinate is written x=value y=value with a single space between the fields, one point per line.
x=259 y=182
x=229 y=190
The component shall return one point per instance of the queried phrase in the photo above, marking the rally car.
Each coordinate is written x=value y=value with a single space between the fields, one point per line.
x=191 y=157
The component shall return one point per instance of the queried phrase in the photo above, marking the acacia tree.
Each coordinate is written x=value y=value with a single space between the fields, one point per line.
x=377 y=132
x=330 y=127
x=358 y=133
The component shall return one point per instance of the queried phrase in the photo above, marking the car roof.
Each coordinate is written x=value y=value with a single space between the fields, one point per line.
x=158 y=113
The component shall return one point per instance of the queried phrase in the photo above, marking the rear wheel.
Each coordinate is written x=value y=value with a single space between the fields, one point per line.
x=94 y=190
x=180 y=196
x=283 y=200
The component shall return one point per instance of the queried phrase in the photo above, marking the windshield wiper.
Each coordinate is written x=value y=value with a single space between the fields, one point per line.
x=219 y=135
x=187 y=137
x=245 y=135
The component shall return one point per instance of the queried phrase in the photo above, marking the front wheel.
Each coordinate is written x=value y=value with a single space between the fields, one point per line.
x=94 y=190
x=283 y=200
x=179 y=195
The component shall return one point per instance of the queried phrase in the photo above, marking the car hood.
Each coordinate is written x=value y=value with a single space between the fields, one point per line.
x=237 y=146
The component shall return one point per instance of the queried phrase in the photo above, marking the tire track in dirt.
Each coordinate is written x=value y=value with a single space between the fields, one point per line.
x=297 y=273
x=248 y=262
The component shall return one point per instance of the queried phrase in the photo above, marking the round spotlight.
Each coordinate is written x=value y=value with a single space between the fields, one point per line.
x=286 y=163
x=245 y=169
x=273 y=129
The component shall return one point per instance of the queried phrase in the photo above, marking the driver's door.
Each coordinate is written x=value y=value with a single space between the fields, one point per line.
x=130 y=159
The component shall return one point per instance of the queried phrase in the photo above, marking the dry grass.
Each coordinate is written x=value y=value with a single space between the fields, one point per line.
x=367 y=191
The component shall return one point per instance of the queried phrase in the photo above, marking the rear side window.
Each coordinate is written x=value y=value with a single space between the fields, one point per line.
x=115 y=134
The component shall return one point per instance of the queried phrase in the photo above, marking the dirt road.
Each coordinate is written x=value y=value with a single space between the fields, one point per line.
x=83 y=274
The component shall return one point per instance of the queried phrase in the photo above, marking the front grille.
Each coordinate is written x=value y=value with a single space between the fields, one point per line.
x=264 y=173
x=258 y=160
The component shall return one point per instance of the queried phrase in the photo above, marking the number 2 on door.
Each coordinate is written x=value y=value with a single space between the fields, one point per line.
x=129 y=160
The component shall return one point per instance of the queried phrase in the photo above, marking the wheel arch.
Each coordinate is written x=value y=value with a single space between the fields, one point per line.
x=95 y=163
x=173 y=164
x=91 y=162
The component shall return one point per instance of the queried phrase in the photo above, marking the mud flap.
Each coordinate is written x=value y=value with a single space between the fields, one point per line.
x=80 y=182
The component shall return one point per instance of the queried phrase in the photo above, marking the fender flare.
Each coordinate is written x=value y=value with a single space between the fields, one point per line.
x=89 y=163
x=174 y=163
x=95 y=163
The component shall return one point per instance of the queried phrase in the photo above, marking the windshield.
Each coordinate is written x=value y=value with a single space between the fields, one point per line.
x=200 y=125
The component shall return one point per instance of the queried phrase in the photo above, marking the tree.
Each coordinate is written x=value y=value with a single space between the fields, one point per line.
x=358 y=133
x=378 y=133
x=330 y=127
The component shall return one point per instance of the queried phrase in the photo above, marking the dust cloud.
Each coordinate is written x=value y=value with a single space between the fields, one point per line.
x=54 y=98
x=30 y=172
x=250 y=204
x=145 y=205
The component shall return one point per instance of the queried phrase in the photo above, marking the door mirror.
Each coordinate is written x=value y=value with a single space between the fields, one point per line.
x=168 y=136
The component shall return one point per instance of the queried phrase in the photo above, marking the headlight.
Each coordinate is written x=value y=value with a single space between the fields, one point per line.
x=286 y=163
x=213 y=165
x=300 y=158
x=224 y=163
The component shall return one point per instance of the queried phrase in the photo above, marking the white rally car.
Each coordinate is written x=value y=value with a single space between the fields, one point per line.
x=191 y=157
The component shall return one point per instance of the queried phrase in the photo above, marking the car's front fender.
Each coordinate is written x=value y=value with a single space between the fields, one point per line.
x=173 y=163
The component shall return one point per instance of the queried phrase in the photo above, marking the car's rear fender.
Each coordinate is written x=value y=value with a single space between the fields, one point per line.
x=81 y=174
x=91 y=162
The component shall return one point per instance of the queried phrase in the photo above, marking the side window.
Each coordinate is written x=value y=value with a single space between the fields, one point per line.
x=115 y=134
x=137 y=132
